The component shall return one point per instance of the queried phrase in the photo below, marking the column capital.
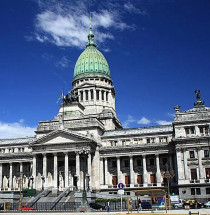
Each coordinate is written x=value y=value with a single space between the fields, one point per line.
x=66 y=153
x=157 y=155
x=130 y=156
x=44 y=154
x=118 y=157
x=144 y=156
x=55 y=153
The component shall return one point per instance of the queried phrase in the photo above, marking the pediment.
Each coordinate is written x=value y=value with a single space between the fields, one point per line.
x=62 y=137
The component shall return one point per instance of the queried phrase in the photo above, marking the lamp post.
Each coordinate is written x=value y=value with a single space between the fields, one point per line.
x=168 y=175
x=20 y=182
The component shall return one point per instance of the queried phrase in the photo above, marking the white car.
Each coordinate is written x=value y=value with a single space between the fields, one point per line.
x=207 y=204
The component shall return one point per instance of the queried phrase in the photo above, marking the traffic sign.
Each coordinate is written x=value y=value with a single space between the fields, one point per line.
x=121 y=185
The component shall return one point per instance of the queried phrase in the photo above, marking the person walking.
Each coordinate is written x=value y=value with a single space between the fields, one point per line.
x=108 y=207
x=140 y=207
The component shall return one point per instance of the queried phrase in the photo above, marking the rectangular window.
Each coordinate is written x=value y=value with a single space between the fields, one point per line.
x=81 y=95
x=190 y=130
x=91 y=94
x=206 y=153
x=198 y=191
x=126 y=163
x=207 y=173
x=193 y=174
x=148 y=140
x=192 y=191
x=139 y=179
x=152 y=140
x=163 y=139
x=152 y=178
x=86 y=94
x=204 y=130
x=114 y=180
x=97 y=94
x=107 y=94
x=207 y=190
x=192 y=154
x=102 y=95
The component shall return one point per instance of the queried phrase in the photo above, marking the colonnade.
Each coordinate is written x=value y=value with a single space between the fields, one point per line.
x=70 y=176
x=105 y=174
x=10 y=176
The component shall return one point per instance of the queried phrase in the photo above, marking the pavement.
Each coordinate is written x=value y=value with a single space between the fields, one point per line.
x=202 y=211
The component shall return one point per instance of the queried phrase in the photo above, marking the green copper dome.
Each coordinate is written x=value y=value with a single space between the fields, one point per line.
x=91 y=63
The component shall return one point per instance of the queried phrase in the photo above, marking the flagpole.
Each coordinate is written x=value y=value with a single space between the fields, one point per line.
x=63 y=108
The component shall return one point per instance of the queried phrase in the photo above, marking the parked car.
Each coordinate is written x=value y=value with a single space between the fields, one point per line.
x=192 y=203
x=180 y=204
x=1 y=206
x=146 y=205
x=207 y=204
x=97 y=206
x=26 y=208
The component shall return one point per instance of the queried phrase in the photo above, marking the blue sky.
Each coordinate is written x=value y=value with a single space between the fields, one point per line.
x=158 y=52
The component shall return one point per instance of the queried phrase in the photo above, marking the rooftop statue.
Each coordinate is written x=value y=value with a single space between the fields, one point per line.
x=198 y=95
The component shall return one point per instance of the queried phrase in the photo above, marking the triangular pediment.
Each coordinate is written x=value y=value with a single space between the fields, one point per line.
x=62 y=137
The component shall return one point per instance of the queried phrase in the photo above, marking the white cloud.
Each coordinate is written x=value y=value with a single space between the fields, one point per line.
x=144 y=121
x=128 y=121
x=63 y=62
x=133 y=9
x=67 y=25
x=15 y=129
x=163 y=122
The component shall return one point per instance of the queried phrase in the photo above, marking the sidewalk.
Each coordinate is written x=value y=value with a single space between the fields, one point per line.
x=202 y=211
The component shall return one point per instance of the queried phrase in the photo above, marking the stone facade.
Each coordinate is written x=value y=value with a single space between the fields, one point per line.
x=85 y=147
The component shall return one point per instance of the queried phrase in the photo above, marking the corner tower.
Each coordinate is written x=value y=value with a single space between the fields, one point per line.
x=92 y=81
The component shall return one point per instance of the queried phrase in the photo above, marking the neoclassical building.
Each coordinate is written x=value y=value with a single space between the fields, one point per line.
x=85 y=146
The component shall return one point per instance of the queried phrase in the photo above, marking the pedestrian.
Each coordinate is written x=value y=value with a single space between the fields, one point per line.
x=140 y=208
x=108 y=207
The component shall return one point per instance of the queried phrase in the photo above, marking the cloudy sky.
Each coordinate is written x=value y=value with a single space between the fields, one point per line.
x=158 y=52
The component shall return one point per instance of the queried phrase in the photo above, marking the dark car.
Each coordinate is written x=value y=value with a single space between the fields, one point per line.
x=97 y=206
x=146 y=205
x=1 y=206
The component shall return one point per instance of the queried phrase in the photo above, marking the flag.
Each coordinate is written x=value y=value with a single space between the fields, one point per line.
x=61 y=97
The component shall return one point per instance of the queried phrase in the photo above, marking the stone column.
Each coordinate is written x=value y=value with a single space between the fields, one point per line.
x=10 y=176
x=101 y=171
x=21 y=168
x=55 y=175
x=89 y=170
x=1 y=175
x=131 y=172
x=185 y=165
x=66 y=169
x=78 y=169
x=34 y=171
x=106 y=171
x=200 y=166
x=180 y=167
x=45 y=166
x=144 y=171
x=119 y=180
x=89 y=95
x=158 y=174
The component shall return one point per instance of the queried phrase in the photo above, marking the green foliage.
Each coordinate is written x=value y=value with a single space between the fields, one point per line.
x=102 y=200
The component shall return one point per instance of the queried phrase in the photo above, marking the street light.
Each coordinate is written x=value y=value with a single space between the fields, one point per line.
x=20 y=182
x=168 y=175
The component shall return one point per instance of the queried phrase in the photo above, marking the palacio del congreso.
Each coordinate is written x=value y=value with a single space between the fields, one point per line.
x=86 y=148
